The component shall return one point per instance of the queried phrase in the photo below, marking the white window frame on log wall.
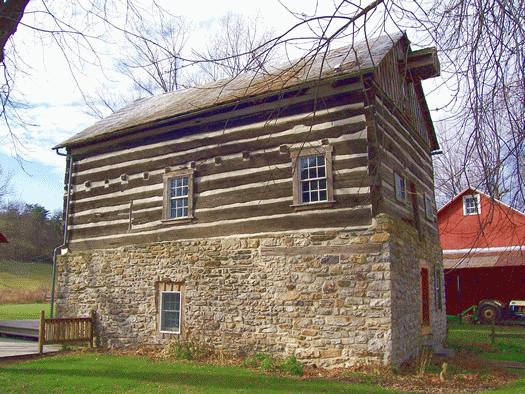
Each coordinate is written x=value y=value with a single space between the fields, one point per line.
x=400 y=187
x=298 y=180
x=162 y=312
x=168 y=198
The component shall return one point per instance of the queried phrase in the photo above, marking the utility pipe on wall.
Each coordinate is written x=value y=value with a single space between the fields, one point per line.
x=69 y=161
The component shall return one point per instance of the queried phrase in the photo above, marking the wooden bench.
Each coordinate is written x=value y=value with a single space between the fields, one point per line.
x=65 y=330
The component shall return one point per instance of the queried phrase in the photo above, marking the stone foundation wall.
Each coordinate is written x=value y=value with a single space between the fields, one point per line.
x=328 y=298
x=308 y=295
x=408 y=253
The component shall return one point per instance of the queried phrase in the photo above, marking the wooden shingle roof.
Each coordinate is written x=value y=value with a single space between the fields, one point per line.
x=359 y=58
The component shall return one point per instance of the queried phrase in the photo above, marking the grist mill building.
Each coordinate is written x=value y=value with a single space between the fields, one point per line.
x=290 y=213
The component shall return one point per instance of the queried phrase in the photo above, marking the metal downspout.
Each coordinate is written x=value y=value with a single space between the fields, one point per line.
x=66 y=221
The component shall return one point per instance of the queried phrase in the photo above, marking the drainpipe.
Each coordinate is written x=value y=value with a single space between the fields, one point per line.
x=69 y=160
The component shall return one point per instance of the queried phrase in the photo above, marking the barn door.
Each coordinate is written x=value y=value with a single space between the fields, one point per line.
x=425 y=303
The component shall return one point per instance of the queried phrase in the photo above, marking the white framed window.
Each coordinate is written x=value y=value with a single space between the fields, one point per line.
x=429 y=206
x=170 y=311
x=400 y=185
x=313 y=182
x=312 y=177
x=471 y=205
x=178 y=195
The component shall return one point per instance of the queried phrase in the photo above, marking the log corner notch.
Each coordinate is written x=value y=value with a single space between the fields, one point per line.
x=423 y=64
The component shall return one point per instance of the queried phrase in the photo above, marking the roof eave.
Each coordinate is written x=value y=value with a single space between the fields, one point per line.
x=228 y=103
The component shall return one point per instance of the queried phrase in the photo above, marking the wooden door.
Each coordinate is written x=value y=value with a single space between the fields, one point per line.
x=425 y=303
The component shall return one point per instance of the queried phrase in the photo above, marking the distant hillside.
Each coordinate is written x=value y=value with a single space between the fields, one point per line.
x=22 y=282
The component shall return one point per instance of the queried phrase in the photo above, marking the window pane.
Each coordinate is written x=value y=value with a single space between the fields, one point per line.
x=306 y=197
x=321 y=172
x=314 y=196
x=170 y=321
x=312 y=161
x=303 y=162
x=170 y=301
x=322 y=184
x=322 y=195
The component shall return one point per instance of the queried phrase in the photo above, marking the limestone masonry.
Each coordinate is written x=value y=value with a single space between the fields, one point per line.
x=332 y=299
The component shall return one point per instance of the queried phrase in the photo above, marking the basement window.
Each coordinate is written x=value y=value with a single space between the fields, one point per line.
x=313 y=182
x=170 y=311
x=471 y=205
x=178 y=195
x=400 y=186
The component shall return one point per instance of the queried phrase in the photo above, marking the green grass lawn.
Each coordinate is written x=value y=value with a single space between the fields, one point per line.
x=22 y=311
x=102 y=373
x=22 y=275
x=476 y=338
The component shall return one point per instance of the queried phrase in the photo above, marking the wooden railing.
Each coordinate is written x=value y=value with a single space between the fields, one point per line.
x=493 y=335
x=56 y=331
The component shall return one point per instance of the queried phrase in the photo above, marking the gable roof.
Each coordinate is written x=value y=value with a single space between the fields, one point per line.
x=361 y=57
x=471 y=190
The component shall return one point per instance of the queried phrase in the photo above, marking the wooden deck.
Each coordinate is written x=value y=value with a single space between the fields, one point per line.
x=15 y=348
x=19 y=328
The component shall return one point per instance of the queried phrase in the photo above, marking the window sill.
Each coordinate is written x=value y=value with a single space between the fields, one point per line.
x=314 y=205
x=170 y=332
x=187 y=219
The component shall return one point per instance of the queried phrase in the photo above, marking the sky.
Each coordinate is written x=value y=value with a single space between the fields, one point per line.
x=55 y=106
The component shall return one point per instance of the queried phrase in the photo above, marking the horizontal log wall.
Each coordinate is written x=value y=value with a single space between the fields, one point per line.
x=407 y=157
x=118 y=186
x=392 y=78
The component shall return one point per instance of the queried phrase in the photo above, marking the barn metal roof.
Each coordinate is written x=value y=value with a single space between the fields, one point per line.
x=507 y=259
x=361 y=57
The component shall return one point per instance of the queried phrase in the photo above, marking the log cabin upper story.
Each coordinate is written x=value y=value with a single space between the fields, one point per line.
x=326 y=143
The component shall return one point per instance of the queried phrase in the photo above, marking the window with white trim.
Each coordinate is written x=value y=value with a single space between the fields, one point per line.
x=170 y=311
x=312 y=184
x=178 y=195
x=429 y=206
x=179 y=192
x=400 y=186
x=312 y=176
x=471 y=205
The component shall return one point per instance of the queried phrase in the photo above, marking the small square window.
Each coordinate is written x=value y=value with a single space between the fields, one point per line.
x=312 y=184
x=400 y=187
x=178 y=195
x=471 y=205
x=429 y=207
x=170 y=311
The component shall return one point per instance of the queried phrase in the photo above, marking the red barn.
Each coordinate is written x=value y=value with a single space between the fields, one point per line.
x=483 y=243
x=3 y=239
